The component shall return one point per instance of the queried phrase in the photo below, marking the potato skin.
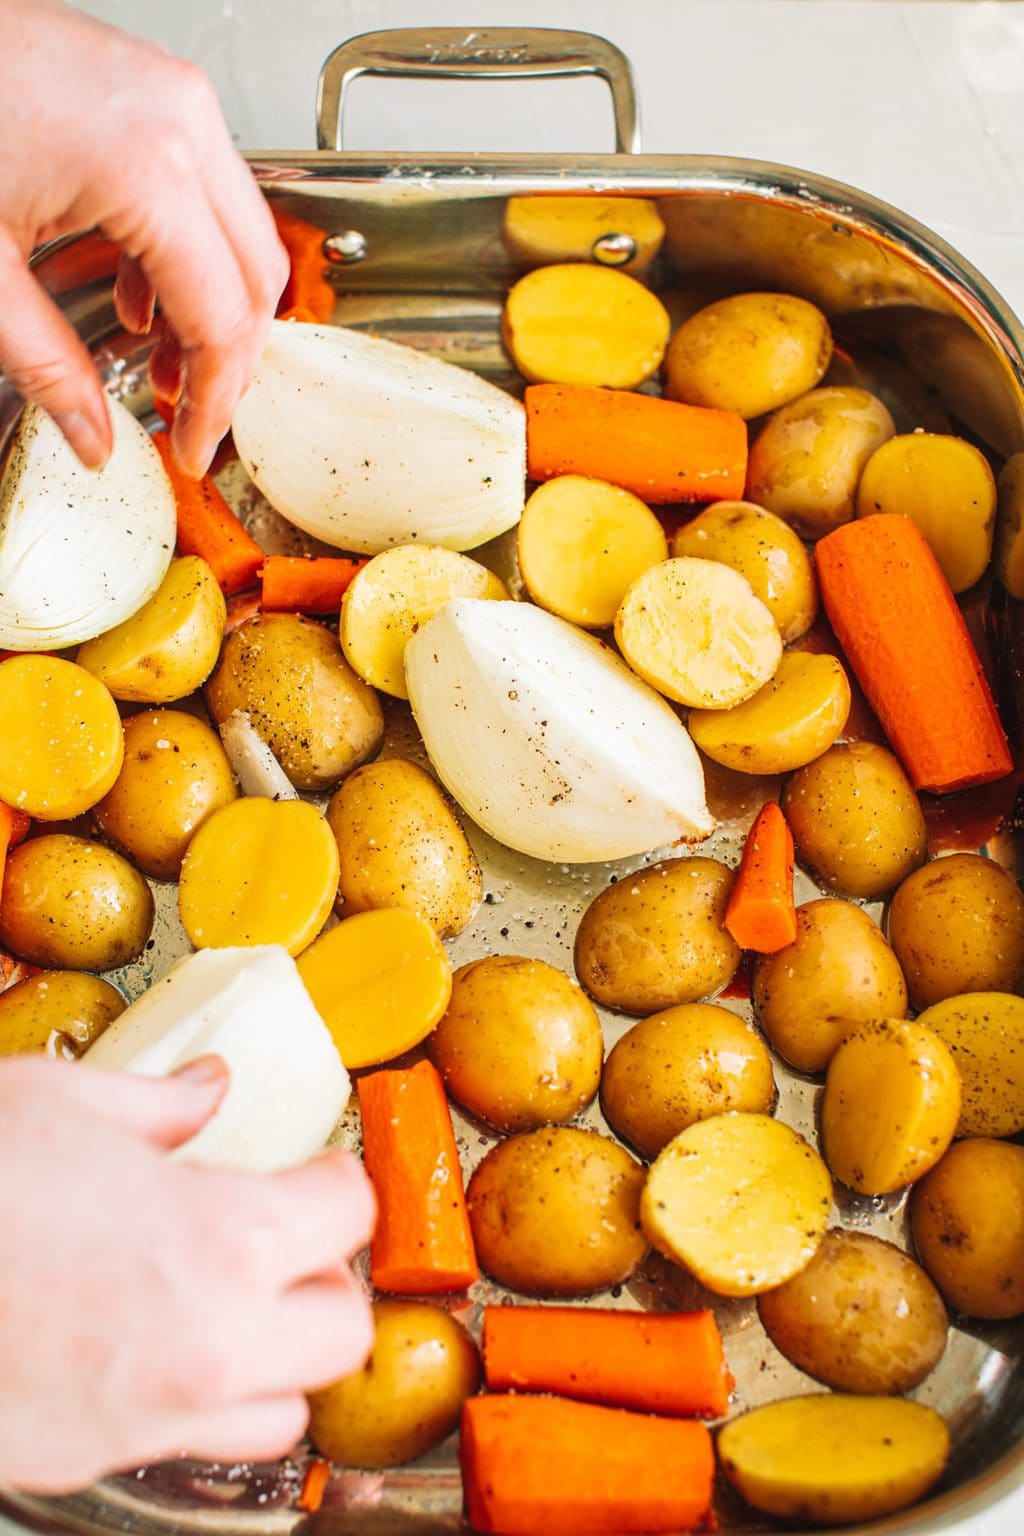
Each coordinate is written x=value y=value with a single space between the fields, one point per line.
x=520 y=1044
x=749 y=353
x=556 y=1212
x=400 y=844
x=71 y=904
x=289 y=675
x=762 y=548
x=788 y=723
x=58 y=1012
x=862 y=1317
x=658 y=938
x=967 y=1223
x=957 y=925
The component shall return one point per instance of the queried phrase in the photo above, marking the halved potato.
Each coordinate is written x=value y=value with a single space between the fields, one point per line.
x=985 y=1034
x=577 y=323
x=545 y=228
x=762 y=548
x=789 y=722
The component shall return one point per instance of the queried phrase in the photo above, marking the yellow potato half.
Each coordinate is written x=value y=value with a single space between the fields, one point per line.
x=985 y=1034
x=582 y=324
x=793 y=719
x=565 y=228
x=750 y=353
x=762 y=548
x=61 y=745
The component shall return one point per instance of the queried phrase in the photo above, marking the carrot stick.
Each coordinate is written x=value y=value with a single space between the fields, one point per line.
x=207 y=527
x=906 y=640
x=314 y=1486
x=532 y=1464
x=422 y=1244
x=761 y=914
x=307 y=288
x=659 y=1362
x=660 y=450
x=298 y=584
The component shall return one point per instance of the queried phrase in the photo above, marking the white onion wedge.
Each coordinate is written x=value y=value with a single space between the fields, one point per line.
x=547 y=739
x=256 y=768
x=366 y=444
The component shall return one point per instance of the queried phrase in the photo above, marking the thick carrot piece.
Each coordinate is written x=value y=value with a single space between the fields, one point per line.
x=658 y=1362
x=658 y=449
x=905 y=638
x=761 y=914
x=298 y=584
x=532 y=1464
x=307 y=293
x=422 y=1244
x=207 y=527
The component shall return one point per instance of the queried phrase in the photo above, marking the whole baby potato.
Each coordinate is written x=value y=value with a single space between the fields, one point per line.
x=685 y=1064
x=957 y=925
x=408 y=1395
x=59 y=1012
x=400 y=845
x=838 y=973
x=762 y=548
x=749 y=353
x=71 y=904
x=862 y=1317
x=658 y=938
x=520 y=1044
x=967 y=1222
x=289 y=676
x=856 y=819
x=556 y=1212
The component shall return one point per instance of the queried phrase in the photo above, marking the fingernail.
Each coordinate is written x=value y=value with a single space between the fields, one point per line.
x=91 y=444
x=203 y=1072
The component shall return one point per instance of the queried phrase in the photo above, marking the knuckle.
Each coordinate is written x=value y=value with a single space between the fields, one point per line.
x=193 y=1379
x=193 y=86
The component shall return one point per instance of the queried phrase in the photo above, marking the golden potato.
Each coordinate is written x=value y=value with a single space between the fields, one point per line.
x=749 y=353
x=839 y=973
x=71 y=904
x=556 y=1212
x=1008 y=555
x=806 y=462
x=680 y=1066
x=967 y=1222
x=658 y=938
x=58 y=1012
x=400 y=844
x=789 y=722
x=957 y=925
x=862 y=1317
x=762 y=548
x=577 y=323
x=856 y=820
x=406 y=1398
x=547 y=228
x=520 y=1045
x=985 y=1035
x=288 y=675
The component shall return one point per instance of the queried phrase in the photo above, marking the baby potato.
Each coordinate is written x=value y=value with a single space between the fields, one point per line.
x=407 y=1396
x=967 y=1223
x=806 y=462
x=520 y=1045
x=175 y=773
x=556 y=1212
x=400 y=844
x=856 y=820
x=762 y=548
x=71 y=904
x=839 y=973
x=578 y=323
x=1008 y=555
x=789 y=722
x=58 y=1012
x=985 y=1034
x=658 y=938
x=680 y=1066
x=957 y=925
x=750 y=353
x=862 y=1317
x=288 y=675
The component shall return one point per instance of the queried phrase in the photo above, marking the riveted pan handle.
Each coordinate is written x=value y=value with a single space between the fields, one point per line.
x=495 y=52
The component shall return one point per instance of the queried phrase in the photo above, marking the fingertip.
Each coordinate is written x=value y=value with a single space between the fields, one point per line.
x=194 y=451
x=88 y=435
x=205 y=1073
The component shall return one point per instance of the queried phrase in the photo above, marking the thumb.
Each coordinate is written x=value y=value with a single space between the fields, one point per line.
x=165 y=1111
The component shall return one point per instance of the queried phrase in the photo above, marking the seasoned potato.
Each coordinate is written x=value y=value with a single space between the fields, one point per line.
x=520 y=1045
x=806 y=462
x=60 y=737
x=791 y=721
x=408 y=1395
x=839 y=973
x=762 y=548
x=750 y=353
x=739 y=1200
x=1008 y=555
x=985 y=1034
x=71 y=904
x=967 y=1222
x=862 y=1317
x=856 y=820
x=400 y=844
x=957 y=925
x=891 y=1105
x=552 y=228
x=59 y=1012
x=658 y=938
x=834 y=1460
x=557 y=1212
x=680 y=1066
x=288 y=675
x=577 y=323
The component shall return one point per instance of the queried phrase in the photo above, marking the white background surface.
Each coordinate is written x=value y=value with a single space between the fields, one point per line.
x=920 y=102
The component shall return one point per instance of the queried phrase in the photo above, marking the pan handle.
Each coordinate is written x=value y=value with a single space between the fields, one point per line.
x=494 y=53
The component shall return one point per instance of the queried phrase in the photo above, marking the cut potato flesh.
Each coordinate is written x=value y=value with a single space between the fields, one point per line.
x=577 y=323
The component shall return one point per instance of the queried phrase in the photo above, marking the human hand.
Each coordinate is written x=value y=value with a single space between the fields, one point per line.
x=149 y=1306
x=102 y=129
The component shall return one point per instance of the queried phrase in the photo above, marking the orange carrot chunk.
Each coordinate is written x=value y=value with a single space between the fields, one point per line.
x=16 y=824
x=307 y=293
x=422 y=1244
x=298 y=584
x=532 y=1464
x=761 y=914
x=207 y=527
x=659 y=1362
x=314 y=1486
x=660 y=450
x=905 y=638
